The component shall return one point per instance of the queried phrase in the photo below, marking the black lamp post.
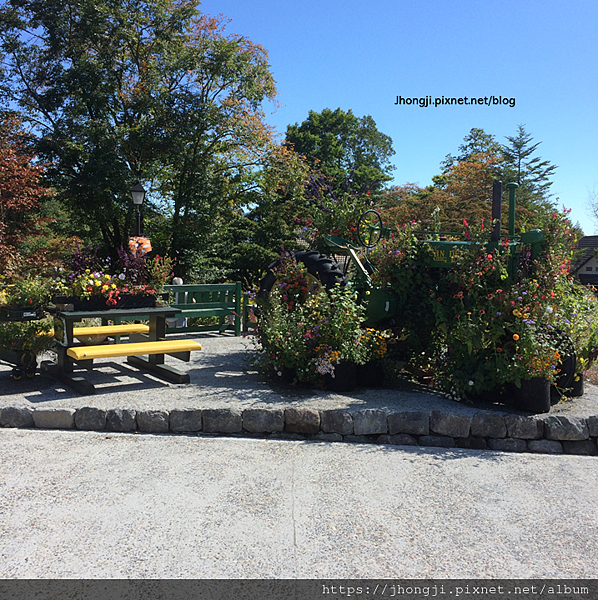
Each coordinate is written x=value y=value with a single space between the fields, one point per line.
x=138 y=194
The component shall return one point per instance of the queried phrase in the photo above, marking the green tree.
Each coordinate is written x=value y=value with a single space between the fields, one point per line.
x=464 y=194
x=135 y=90
x=463 y=189
x=476 y=143
x=344 y=147
x=275 y=220
x=529 y=171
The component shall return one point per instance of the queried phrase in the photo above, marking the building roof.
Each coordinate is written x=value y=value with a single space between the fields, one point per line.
x=588 y=243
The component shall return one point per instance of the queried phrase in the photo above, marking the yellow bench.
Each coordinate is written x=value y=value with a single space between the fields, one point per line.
x=110 y=330
x=135 y=349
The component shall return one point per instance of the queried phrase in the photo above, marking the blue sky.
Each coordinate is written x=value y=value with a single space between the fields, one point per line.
x=361 y=56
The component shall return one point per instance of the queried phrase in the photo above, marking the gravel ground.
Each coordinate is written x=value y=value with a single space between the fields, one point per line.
x=96 y=505
x=222 y=376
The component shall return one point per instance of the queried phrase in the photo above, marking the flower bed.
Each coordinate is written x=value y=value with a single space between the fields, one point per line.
x=28 y=336
x=133 y=282
x=491 y=319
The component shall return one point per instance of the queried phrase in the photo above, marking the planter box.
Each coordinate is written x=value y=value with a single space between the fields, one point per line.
x=533 y=396
x=21 y=313
x=370 y=375
x=345 y=377
x=99 y=302
x=23 y=362
x=130 y=301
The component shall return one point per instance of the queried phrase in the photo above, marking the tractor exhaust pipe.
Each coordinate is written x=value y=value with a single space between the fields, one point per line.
x=496 y=210
x=512 y=187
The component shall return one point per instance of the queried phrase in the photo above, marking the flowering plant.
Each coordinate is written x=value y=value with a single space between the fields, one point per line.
x=27 y=336
x=133 y=274
x=495 y=315
x=160 y=271
x=336 y=213
x=308 y=330
x=90 y=284
x=111 y=287
x=25 y=291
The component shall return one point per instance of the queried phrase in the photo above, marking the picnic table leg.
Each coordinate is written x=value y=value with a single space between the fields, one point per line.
x=157 y=332
x=155 y=362
x=63 y=371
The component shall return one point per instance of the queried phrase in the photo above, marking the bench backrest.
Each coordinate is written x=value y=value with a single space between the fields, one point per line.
x=206 y=295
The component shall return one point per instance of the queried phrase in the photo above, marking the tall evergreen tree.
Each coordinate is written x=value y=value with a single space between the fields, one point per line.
x=476 y=143
x=529 y=171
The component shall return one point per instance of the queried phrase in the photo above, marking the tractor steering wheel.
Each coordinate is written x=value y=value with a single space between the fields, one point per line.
x=369 y=228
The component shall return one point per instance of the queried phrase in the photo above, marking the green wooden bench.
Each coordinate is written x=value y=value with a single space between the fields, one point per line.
x=207 y=300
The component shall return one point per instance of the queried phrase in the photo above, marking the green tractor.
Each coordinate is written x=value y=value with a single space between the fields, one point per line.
x=381 y=304
x=383 y=307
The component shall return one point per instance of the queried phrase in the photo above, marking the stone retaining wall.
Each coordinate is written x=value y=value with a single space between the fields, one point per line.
x=549 y=434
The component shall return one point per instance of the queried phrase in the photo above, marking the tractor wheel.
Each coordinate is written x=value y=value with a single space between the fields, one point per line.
x=319 y=266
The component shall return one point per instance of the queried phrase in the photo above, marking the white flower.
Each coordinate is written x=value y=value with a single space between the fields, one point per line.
x=470 y=382
x=279 y=373
x=121 y=276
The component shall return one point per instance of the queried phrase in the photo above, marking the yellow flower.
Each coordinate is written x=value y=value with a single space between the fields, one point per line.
x=517 y=312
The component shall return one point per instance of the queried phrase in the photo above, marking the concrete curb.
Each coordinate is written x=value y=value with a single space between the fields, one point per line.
x=547 y=434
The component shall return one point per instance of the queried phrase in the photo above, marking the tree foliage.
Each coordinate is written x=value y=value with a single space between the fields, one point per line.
x=149 y=91
x=24 y=247
x=463 y=190
x=342 y=147
x=531 y=172
x=476 y=144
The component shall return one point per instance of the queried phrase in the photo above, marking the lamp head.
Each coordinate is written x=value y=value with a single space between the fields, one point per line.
x=138 y=194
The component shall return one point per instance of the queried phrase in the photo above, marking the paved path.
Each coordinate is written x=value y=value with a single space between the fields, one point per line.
x=97 y=505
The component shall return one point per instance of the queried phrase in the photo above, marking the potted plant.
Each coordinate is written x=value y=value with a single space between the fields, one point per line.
x=22 y=341
x=312 y=335
x=133 y=282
